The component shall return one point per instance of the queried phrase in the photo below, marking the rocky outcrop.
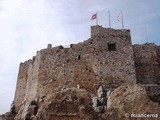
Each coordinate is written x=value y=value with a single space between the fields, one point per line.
x=128 y=100
x=100 y=101
x=69 y=104
x=27 y=110
x=123 y=103
x=7 y=116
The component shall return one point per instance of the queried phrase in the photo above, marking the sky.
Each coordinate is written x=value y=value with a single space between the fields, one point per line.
x=27 y=26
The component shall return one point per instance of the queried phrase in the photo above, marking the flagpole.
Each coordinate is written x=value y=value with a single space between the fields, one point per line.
x=122 y=20
x=96 y=18
x=109 y=19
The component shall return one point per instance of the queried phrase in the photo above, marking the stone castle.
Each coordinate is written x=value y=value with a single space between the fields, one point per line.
x=107 y=57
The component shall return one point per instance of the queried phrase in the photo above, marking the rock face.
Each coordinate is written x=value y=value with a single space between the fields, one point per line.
x=77 y=104
x=7 y=116
x=100 y=101
x=27 y=110
x=69 y=104
x=127 y=100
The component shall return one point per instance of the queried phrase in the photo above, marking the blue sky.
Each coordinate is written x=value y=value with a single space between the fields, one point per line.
x=29 y=25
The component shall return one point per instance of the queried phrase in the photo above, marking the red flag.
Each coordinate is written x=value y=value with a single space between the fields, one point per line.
x=94 y=16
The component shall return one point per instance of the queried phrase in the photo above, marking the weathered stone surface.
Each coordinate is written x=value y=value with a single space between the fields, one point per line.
x=21 y=82
x=131 y=99
x=146 y=62
x=100 y=101
x=7 y=116
x=69 y=104
x=146 y=58
x=27 y=111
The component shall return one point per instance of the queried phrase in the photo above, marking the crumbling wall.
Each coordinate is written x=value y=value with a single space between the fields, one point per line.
x=21 y=82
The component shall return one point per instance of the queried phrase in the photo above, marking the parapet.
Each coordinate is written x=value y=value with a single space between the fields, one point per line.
x=99 y=30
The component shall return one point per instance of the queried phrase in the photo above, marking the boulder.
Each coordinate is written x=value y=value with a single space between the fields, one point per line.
x=129 y=101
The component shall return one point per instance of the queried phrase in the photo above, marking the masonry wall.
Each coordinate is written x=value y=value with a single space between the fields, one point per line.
x=88 y=64
x=32 y=81
x=21 y=82
x=146 y=62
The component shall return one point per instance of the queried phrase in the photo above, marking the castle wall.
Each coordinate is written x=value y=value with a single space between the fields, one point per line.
x=105 y=58
x=32 y=80
x=21 y=82
x=146 y=62
x=89 y=63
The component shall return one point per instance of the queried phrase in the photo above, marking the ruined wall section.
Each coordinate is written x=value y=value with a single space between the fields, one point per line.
x=21 y=82
x=89 y=63
x=146 y=62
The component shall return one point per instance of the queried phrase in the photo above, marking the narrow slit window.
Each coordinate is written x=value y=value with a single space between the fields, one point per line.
x=79 y=57
x=111 y=47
